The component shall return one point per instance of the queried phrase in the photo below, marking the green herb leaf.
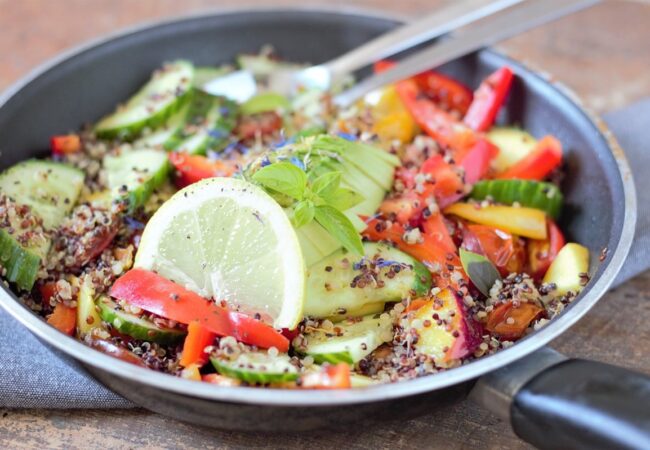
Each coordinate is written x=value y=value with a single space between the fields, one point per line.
x=283 y=177
x=303 y=213
x=344 y=199
x=480 y=270
x=339 y=226
x=326 y=184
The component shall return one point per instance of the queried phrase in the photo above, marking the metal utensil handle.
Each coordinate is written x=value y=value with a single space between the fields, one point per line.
x=444 y=20
x=493 y=29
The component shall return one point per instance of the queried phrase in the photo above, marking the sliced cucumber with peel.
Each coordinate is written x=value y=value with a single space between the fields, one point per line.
x=51 y=190
x=88 y=317
x=258 y=367
x=134 y=326
x=356 y=340
x=134 y=174
x=208 y=124
x=158 y=137
x=329 y=290
x=528 y=193
x=264 y=102
x=150 y=107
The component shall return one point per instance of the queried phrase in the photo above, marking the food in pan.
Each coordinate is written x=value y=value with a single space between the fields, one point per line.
x=282 y=242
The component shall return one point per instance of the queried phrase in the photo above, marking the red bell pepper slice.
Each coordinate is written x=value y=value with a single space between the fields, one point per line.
x=197 y=339
x=65 y=144
x=193 y=168
x=167 y=299
x=63 y=318
x=510 y=322
x=503 y=249
x=542 y=253
x=329 y=377
x=477 y=161
x=488 y=99
x=538 y=164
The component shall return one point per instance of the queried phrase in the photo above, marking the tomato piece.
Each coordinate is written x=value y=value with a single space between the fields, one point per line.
x=63 y=318
x=446 y=184
x=436 y=122
x=197 y=339
x=541 y=253
x=436 y=231
x=488 y=99
x=405 y=207
x=65 y=144
x=262 y=124
x=504 y=250
x=193 y=168
x=539 y=163
x=329 y=377
x=167 y=299
x=115 y=350
x=510 y=322
x=446 y=92
x=478 y=160
x=47 y=290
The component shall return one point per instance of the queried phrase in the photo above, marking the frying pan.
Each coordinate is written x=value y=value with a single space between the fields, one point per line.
x=550 y=400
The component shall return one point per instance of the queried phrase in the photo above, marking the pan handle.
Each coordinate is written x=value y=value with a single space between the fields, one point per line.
x=555 y=402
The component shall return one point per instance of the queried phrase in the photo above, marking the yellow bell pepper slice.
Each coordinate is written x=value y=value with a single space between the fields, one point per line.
x=392 y=119
x=526 y=222
x=567 y=269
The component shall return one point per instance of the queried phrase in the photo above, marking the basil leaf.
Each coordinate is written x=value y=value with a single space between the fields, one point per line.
x=339 y=226
x=343 y=199
x=303 y=213
x=480 y=270
x=326 y=184
x=283 y=177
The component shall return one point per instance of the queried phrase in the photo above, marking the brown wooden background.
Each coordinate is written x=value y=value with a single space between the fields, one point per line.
x=603 y=54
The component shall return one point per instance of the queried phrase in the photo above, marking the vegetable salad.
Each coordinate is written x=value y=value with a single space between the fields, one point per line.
x=400 y=237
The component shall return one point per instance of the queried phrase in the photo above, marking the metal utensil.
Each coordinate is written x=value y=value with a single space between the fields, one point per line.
x=490 y=30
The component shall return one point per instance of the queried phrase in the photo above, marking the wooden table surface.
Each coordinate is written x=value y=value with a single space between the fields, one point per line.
x=603 y=54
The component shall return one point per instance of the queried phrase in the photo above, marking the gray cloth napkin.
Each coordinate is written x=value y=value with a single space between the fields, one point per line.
x=31 y=376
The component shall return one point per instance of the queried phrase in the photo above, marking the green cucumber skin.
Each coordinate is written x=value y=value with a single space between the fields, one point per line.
x=332 y=358
x=139 y=196
x=532 y=194
x=250 y=376
x=136 y=327
x=128 y=132
x=21 y=264
x=203 y=107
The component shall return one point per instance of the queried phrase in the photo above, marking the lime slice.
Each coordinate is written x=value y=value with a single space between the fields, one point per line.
x=226 y=239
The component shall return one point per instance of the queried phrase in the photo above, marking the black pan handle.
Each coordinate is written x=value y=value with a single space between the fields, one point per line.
x=553 y=402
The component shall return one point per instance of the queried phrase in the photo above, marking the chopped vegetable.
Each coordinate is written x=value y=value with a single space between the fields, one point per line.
x=539 y=163
x=532 y=194
x=542 y=253
x=165 y=298
x=63 y=318
x=527 y=222
x=505 y=251
x=488 y=99
x=198 y=338
x=329 y=377
x=569 y=272
x=510 y=322
x=193 y=168
x=65 y=144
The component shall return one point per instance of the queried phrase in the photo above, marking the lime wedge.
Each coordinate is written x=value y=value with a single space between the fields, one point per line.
x=226 y=239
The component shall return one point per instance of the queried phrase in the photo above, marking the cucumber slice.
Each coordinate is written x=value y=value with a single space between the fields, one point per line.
x=209 y=122
x=134 y=326
x=133 y=175
x=514 y=144
x=266 y=101
x=356 y=340
x=21 y=264
x=532 y=194
x=157 y=138
x=365 y=310
x=329 y=290
x=163 y=94
x=205 y=74
x=51 y=189
x=87 y=316
x=258 y=367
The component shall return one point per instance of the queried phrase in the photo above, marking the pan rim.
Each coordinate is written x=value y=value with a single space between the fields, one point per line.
x=269 y=397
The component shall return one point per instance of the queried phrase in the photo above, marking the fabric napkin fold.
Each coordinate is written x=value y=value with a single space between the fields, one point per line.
x=32 y=376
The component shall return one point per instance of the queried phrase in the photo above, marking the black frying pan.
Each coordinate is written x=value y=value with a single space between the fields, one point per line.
x=551 y=401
